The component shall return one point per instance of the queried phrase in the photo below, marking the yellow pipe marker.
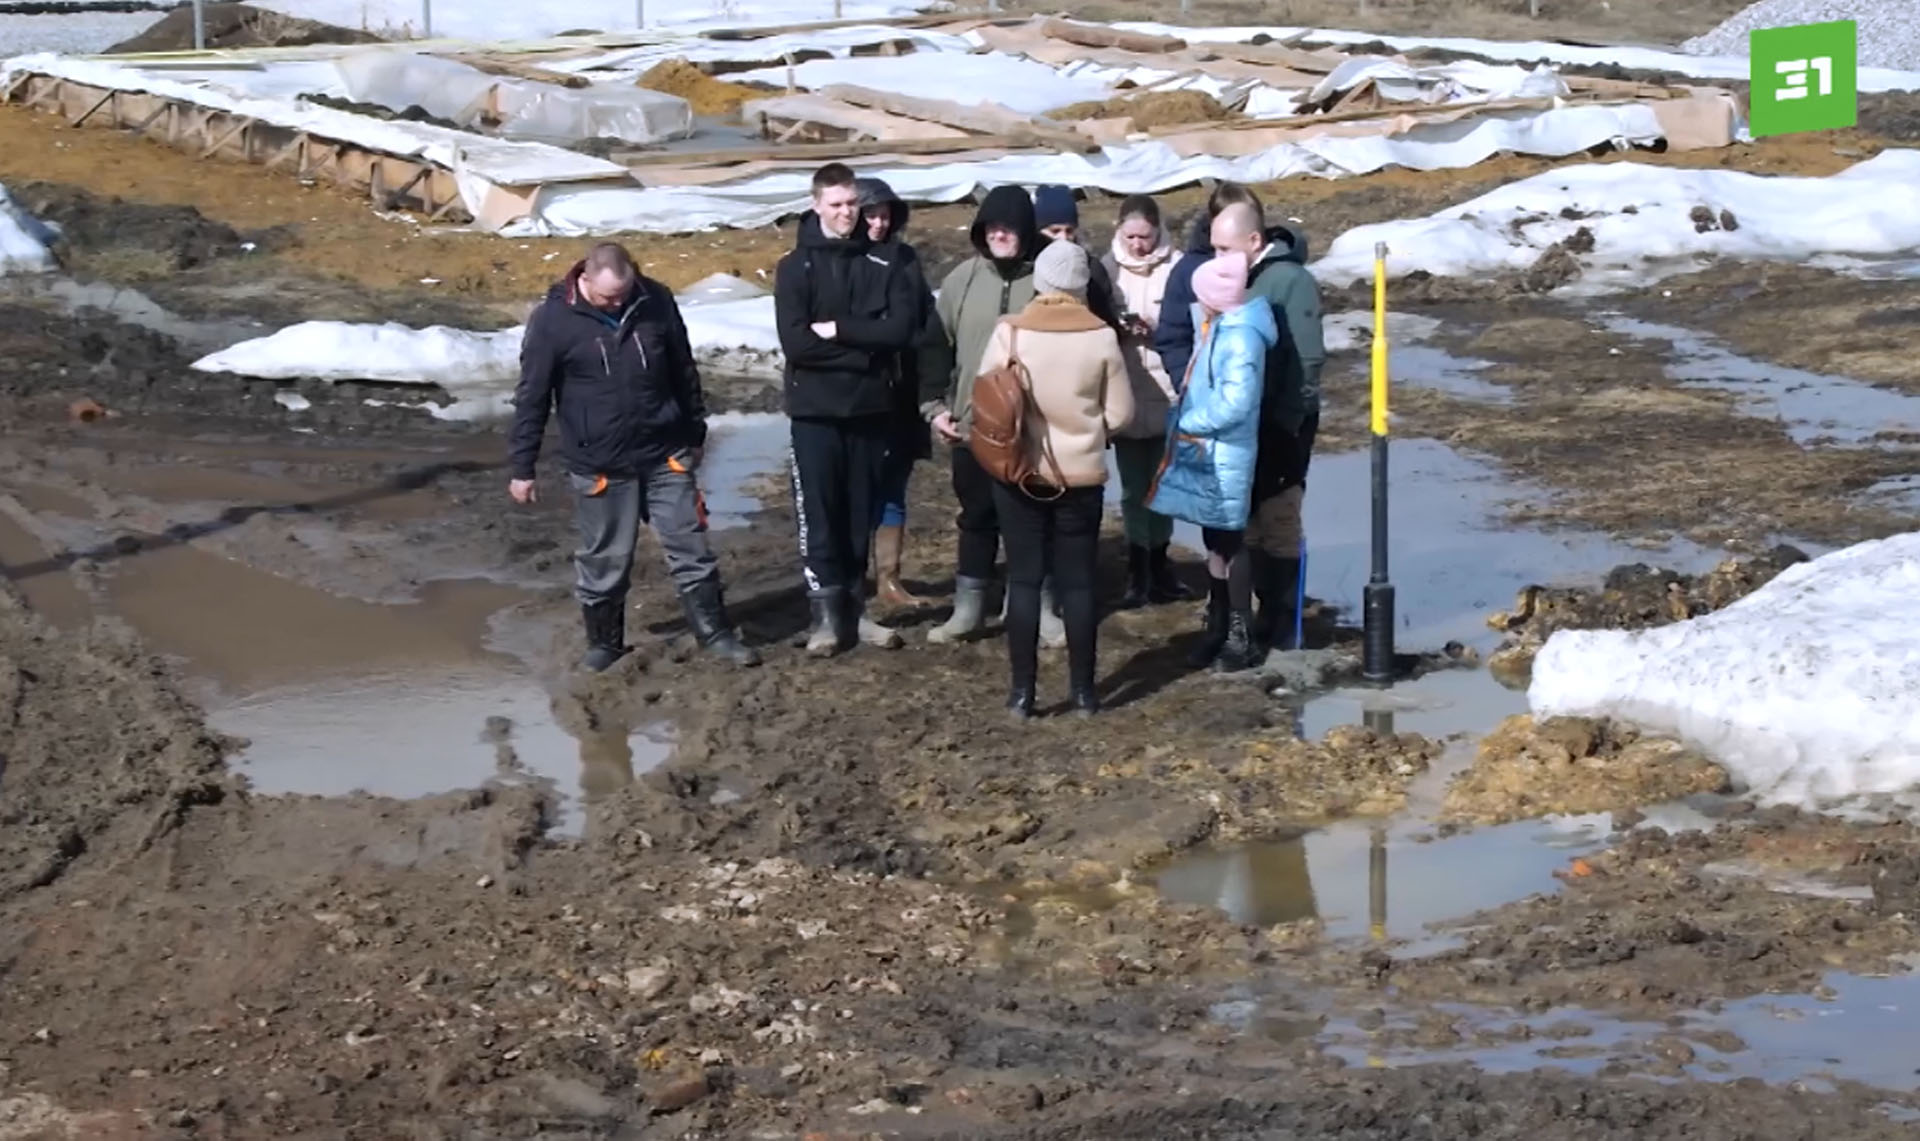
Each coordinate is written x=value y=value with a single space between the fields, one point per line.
x=1380 y=338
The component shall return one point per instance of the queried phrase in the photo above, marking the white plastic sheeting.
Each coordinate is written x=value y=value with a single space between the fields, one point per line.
x=24 y=239
x=836 y=42
x=1525 y=51
x=1805 y=689
x=1134 y=168
x=1014 y=82
x=528 y=109
x=528 y=19
x=1466 y=81
x=1873 y=207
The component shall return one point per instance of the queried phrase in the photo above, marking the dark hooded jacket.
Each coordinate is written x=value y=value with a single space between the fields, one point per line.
x=979 y=292
x=930 y=355
x=866 y=291
x=1173 y=336
x=625 y=384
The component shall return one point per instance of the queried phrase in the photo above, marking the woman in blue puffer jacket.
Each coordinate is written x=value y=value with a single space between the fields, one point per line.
x=1212 y=443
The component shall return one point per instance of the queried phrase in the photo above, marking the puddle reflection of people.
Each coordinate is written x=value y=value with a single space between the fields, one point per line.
x=1266 y=884
x=609 y=350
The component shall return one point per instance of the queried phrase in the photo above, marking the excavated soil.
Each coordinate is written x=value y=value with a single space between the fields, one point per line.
x=853 y=900
x=1573 y=766
x=709 y=96
x=1148 y=109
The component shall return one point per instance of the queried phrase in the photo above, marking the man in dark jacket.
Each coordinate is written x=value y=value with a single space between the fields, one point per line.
x=885 y=216
x=608 y=350
x=1289 y=408
x=845 y=310
x=1173 y=337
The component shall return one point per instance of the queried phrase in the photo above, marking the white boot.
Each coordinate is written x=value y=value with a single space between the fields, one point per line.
x=1053 y=631
x=969 y=602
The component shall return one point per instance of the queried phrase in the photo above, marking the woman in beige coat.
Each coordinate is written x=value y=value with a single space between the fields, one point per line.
x=1078 y=381
x=1139 y=265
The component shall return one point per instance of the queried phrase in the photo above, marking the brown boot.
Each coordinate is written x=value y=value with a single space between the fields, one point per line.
x=887 y=545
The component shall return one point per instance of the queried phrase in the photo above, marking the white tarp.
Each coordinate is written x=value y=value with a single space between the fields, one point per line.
x=1014 y=82
x=1134 y=168
x=836 y=42
x=1806 y=690
x=1871 y=208
x=530 y=19
x=528 y=109
x=1524 y=51
x=1466 y=81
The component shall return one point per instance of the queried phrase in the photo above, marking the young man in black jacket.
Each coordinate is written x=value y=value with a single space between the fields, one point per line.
x=846 y=310
x=608 y=350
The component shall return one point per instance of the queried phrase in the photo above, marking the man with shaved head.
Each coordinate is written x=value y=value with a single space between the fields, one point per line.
x=608 y=352
x=1289 y=406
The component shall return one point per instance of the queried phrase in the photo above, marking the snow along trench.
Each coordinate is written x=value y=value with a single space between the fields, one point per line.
x=1807 y=690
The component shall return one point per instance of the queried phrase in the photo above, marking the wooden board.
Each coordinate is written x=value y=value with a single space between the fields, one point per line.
x=826 y=152
x=1090 y=36
x=515 y=69
x=981 y=118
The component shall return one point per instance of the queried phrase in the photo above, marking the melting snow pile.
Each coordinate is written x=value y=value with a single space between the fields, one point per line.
x=1637 y=217
x=1806 y=690
x=729 y=323
x=1888 y=30
x=25 y=240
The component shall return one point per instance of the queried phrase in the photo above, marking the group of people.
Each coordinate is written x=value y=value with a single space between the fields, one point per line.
x=1198 y=366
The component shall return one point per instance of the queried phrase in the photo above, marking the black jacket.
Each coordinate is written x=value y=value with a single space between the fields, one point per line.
x=931 y=354
x=868 y=293
x=1173 y=336
x=625 y=383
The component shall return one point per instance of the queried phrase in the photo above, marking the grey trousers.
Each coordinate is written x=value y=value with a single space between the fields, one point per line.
x=609 y=517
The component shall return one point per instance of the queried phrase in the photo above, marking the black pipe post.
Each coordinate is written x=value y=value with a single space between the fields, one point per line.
x=1377 y=599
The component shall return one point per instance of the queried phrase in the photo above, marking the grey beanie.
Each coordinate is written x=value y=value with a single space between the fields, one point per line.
x=1062 y=267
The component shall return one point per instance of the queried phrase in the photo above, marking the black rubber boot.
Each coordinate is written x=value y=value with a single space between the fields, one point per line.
x=1279 y=583
x=1262 y=564
x=1023 y=648
x=1138 y=585
x=1214 y=635
x=827 y=608
x=606 y=624
x=1163 y=582
x=706 y=611
x=1239 y=652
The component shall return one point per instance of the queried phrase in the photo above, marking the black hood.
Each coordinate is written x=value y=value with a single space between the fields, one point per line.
x=874 y=192
x=812 y=237
x=1009 y=206
x=1286 y=242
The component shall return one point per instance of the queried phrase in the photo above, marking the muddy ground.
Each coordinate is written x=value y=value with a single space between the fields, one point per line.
x=845 y=905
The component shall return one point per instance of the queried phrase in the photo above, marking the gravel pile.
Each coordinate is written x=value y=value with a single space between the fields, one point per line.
x=1889 y=29
x=76 y=32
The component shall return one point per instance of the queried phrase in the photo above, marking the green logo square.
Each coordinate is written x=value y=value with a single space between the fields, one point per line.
x=1803 y=78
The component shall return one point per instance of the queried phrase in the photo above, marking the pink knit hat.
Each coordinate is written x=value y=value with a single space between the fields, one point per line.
x=1221 y=282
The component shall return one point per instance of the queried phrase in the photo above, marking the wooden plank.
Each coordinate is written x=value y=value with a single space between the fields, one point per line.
x=236 y=126
x=1092 y=36
x=494 y=65
x=153 y=117
x=1274 y=55
x=1391 y=111
x=801 y=152
x=983 y=119
x=109 y=97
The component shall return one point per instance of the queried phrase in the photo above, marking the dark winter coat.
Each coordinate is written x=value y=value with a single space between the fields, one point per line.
x=1173 y=336
x=625 y=384
x=870 y=296
x=931 y=354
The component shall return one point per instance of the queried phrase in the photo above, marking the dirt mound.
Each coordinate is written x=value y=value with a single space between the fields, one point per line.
x=1149 y=109
x=709 y=96
x=237 y=26
x=1634 y=597
x=170 y=238
x=1573 y=765
x=100 y=754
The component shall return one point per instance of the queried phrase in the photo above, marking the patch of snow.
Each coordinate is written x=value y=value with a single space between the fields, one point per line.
x=292 y=401
x=1648 y=219
x=1805 y=689
x=480 y=369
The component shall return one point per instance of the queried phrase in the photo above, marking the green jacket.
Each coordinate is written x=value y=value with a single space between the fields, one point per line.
x=1292 y=391
x=973 y=298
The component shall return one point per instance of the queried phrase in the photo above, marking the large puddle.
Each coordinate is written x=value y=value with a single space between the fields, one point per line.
x=1814 y=407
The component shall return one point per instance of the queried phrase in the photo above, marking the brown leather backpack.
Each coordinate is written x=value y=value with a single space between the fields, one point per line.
x=998 y=440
